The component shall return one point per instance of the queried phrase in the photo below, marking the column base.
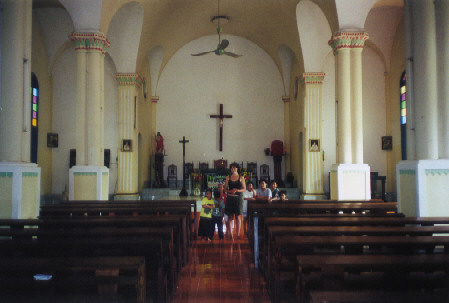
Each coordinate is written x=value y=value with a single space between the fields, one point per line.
x=350 y=182
x=313 y=197
x=88 y=183
x=135 y=196
x=20 y=190
x=423 y=187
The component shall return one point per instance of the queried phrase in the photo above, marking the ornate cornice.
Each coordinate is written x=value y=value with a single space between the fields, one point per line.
x=348 y=40
x=312 y=78
x=286 y=99
x=129 y=79
x=90 y=41
x=154 y=99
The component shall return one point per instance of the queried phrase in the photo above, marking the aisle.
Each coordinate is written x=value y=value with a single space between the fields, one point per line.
x=221 y=271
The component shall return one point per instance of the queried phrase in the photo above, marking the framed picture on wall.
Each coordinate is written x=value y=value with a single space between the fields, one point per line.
x=52 y=140
x=127 y=145
x=314 y=145
x=387 y=142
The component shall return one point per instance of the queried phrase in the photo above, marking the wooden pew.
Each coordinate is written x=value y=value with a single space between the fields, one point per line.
x=93 y=266
x=126 y=207
x=288 y=247
x=258 y=210
x=394 y=280
x=178 y=221
x=96 y=236
x=275 y=231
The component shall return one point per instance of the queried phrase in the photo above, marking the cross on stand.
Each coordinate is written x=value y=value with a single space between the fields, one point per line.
x=221 y=117
x=183 y=192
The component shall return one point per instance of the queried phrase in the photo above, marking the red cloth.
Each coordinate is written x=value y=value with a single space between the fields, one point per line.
x=277 y=148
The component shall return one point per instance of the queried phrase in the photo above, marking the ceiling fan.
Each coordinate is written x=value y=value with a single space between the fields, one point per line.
x=222 y=44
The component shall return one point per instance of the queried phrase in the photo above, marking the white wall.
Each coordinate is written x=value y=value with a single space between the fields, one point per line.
x=191 y=88
x=64 y=85
x=374 y=117
x=329 y=145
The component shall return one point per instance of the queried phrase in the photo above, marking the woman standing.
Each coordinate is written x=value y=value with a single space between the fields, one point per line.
x=235 y=187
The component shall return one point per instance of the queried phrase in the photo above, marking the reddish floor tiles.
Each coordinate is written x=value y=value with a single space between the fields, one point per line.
x=221 y=271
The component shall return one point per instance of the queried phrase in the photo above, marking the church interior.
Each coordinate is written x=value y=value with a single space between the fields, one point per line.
x=338 y=101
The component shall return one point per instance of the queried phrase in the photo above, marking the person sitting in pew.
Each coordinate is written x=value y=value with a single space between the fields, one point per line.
x=282 y=196
x=263 y=193
x=274 y=191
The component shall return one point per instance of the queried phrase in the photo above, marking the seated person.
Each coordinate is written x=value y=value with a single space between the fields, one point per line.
x=250 y=192
x=282 y=196
x=274 y=191
x=263 y=193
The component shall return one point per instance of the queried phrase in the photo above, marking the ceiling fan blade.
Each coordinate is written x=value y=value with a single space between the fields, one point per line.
x=223 y=44
x=203 y=53
x=232 y=54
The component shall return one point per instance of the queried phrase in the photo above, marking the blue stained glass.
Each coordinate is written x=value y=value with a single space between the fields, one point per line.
x=403 y=120
x=35 y=92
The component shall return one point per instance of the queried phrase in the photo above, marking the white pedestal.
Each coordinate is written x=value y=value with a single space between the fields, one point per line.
x=423 y=187
x=88 y=183
x=350 y=182
x=19 y=190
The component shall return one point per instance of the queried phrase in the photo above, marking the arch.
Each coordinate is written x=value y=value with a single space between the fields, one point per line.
x=314 y=33
x=124 y=33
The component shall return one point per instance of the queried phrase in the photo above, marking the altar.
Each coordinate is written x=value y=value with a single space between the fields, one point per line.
x=200 y=180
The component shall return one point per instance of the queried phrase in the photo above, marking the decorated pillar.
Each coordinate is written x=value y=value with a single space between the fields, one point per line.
x=350 y=178
x=19 y=179
x=313 y=159
x=127 y=179
x=89 y=179
x=422 y=179
x=287 y=165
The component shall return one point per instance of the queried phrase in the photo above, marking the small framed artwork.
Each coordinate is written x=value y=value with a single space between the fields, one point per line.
x=314 y=145
x=387 y=142
x=52 y=140
x=127 y=145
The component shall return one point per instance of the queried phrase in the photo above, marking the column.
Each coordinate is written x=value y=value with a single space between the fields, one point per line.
x=127 y=179
x=19 y=179
x=350 y=178
x=89 y=179
x=287 y=165
x=422 y=180
x=154 y=101
x=313 y=159
x=442 y=38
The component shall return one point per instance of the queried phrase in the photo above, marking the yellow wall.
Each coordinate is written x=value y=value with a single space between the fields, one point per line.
x=39 y=62
x=397 y=67
x=146 y=131
x=85 y=186
x=30 y=202
x=5 y=195
x=296 y=126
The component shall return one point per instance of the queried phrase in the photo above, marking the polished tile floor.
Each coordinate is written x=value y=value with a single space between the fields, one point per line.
x=221 y=271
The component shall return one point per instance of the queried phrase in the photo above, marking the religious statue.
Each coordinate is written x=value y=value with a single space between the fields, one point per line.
x=160 y=143
x=159 y=161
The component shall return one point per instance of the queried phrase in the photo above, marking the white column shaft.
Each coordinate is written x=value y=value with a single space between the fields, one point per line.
x=94 y=144
x=425 y=81
x=356 y=106
x=344 y=138
x=12 y=112
x=81 y=108
x=442 y=38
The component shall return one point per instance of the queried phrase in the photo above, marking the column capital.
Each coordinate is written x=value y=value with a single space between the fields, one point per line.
x=312 y=78
x=286 y=99
x=154 y=99
x=95 y=41
x=348 y=40
x=129 y=79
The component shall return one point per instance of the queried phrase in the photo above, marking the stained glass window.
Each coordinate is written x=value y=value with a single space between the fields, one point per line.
x=34 y=117
x=403 y=114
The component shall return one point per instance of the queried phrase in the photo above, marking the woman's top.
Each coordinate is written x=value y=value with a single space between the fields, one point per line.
x=207 y=212
x=234 y=184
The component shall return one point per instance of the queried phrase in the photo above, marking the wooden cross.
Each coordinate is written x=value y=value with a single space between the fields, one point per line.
x=183 y=192
x=221 y=117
